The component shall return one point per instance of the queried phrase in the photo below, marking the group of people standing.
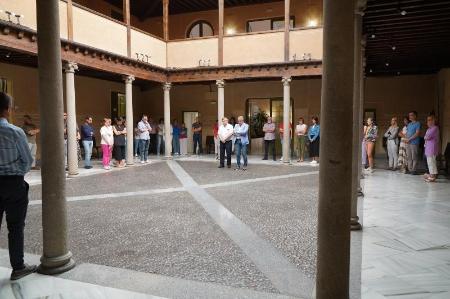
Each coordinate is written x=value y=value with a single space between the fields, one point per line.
x=308 y=138
x=403 y=146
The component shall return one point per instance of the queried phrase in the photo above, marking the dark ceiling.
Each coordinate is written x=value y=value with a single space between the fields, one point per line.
x=408 y=36
x=150 y=8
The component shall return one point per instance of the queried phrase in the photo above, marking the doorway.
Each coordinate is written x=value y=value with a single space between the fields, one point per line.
x=188 y=119
x=118 y=105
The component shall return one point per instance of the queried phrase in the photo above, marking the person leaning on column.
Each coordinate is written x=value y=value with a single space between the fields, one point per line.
x=15 y=162
x=225 y=135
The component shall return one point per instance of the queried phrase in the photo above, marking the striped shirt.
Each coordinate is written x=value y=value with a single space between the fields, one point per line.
x=15 y=156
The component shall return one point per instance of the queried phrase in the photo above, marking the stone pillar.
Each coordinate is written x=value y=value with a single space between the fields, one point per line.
x=356 y=148
x=335 y=175
x=286 y=119
x=220 y=100
x=361 y=109
x=129 y=116
x=56 y=257
x=72 y=149
x=167 y=135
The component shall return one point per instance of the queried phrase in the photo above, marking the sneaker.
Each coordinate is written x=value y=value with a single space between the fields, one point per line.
x=26 y=270
x=107 y=167
x=244 y=168
x=238 y=168
x=146 y=162
x=313 y=162
x=142 y=162
x=87 y=167
x=369 y=170
x=265 y=159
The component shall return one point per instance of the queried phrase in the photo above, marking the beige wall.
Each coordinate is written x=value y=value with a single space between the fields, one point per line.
x=235 y=17
x=306 y=41
x=27 y=8
x=142 y=43
x=183 y=54
x=444 y=105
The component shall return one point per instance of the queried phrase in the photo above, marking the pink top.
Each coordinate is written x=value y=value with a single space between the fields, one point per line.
x=432 y=141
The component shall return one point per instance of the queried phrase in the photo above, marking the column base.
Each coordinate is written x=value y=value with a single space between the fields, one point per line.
x=72 y=175
x=360 y=193
x=168 y=157
x=354 y=223
x=129 y=163
x=56 y=265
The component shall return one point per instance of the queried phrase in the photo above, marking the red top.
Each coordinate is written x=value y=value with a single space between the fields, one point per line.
x=216 y=129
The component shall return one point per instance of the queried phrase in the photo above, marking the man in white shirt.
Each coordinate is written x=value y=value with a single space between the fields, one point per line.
x=144 y=138
x=225 y=135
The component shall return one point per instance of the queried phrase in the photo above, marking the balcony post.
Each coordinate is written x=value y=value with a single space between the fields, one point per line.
x=220 y=100
x=286 y=148
x=221 y=33
x=287 y=23
x=166 y=19
x=167 y=131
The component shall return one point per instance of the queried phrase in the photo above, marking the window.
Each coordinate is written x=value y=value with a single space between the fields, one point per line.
x=200 y=29
x=268 y=24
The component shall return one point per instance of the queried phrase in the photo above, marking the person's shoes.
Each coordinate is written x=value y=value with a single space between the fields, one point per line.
x=26 y=270
x=142 y=162
x=313 y=162
x=107 y=167
x=244 y=168
x=221 y=166
x=281 y=159
x=36 y=168
x=229 y=166
x=430 y=180
x=237 y=168
x=414 y=173
x=87 y=167
x=265 y=159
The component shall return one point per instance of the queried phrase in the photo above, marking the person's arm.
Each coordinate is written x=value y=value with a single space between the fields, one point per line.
x=24 y=152
x=415 y=135
x=317 y=134
x=388 y=133
x=244 y=130
x=115 y=131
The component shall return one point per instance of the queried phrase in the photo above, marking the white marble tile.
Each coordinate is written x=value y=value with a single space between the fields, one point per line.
x=371 y=294
x=391 y=285
x=444 y=295
x=430 y=282
x=40 y=286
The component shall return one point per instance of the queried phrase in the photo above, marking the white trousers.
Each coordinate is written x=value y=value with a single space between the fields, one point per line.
x=216 y=145
x=392 y=149
x=183 y=146
x=33 y=150
x=432 y=165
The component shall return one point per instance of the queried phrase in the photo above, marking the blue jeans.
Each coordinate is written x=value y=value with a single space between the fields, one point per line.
x=197 y=140
x=87 y=144
x=176 y=145
x=160 y=145
x=241 y=149
x=143 y=149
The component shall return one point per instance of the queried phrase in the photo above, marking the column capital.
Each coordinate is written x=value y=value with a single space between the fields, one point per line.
x=286 y=81
x=128 y=78
x=167 y=86
x=70 y=67
x=220 y=83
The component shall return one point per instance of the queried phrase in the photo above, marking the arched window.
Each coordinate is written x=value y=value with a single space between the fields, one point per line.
x=200 y=29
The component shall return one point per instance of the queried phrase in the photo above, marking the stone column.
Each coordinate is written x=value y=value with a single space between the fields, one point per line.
x=129 y=116
x=335 y=175
x=356 y=148
x=72 y=152
x=220 y=100
x=361 y=109
x=167 y=135
x=286 y=119
x=56 y=257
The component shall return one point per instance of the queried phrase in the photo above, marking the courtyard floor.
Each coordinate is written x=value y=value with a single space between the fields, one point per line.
x=185 y=229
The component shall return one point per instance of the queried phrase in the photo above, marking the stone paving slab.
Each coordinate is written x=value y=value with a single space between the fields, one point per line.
x=153 y=176
x=167 y=234
x=280 y=214
x=208 y=173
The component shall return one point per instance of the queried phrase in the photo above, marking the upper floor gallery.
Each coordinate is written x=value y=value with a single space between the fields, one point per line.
x=185 y=34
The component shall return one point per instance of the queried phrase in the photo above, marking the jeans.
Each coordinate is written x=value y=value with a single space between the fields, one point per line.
x=87 y=145
x=14 y=203
x=268 y=143
x=160 y=145
x=392 y=149
x=197 y=140
x=176 y=145
x=241 y=149
x=412 y=155
x=143 y=149
x=225 y=147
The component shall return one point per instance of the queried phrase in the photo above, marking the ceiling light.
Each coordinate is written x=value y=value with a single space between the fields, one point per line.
x=312 y=23
x=403 y=12
x=373 y=35
x=398 y=73
x=8 y=54
x=394 y=48
x=370 y=71
x=386 y=64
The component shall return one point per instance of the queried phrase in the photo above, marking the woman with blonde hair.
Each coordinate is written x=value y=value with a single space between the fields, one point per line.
x=370 y=138
x=107 y=135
